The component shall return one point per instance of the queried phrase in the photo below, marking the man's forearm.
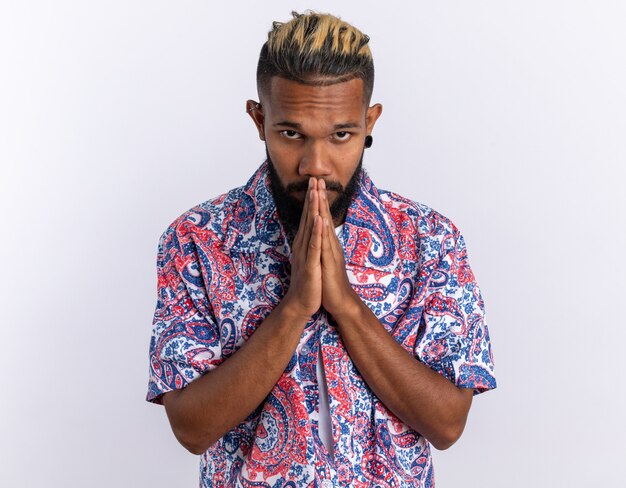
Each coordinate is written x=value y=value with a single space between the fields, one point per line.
x=217 y=402
x=417 y=395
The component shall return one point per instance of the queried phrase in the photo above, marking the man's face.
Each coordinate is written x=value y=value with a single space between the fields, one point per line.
x=290 y=205
x=314 y=131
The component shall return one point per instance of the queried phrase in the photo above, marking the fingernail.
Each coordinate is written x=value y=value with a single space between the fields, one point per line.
x=311 y=182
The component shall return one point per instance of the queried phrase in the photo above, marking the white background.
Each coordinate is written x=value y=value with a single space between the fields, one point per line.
x=116 y=117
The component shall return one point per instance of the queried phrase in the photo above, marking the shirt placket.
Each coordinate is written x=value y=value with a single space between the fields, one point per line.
x=326 y=474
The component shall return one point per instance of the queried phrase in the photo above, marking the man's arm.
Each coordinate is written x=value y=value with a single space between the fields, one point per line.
x=215 y=403
x=420 y=397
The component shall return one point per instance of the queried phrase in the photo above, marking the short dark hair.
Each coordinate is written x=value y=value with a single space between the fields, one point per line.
x=316 y=49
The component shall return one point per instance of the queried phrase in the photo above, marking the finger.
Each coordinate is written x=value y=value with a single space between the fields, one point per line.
x=326 y=213
x=305 y=214
x=314 y=202
x=305 y=207
x=313 y=210
x=315 y=243
x=324 y=205
x=327 y=251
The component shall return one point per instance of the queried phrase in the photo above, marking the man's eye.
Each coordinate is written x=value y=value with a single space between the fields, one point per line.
x=342 y=135
x=290 y=134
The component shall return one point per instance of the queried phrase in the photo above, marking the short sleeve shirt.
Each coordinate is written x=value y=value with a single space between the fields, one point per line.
x=224 y=265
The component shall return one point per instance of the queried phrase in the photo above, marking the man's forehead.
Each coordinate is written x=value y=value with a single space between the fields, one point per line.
x=289 y=97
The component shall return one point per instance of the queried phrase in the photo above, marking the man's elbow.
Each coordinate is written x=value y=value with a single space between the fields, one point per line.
x=448 y=436
x=190 y=446
x=192 y=442
x=453 y=424
x=193 y=448
x=442 y=443
x=188 y=433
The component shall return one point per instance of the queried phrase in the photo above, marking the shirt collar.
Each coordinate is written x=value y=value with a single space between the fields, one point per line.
x=366 y=237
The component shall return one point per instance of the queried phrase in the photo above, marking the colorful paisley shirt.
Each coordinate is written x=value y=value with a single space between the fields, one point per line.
x=224 y=265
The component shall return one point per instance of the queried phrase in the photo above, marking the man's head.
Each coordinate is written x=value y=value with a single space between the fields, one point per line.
x=315 y=49
x=315 y=77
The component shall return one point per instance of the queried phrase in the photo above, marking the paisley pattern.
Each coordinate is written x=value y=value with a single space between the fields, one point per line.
x=224 y=265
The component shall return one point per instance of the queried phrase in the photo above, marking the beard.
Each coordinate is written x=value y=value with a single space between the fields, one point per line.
x=290 y=208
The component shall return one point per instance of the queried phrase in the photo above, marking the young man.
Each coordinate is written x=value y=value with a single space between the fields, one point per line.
x=311 y=329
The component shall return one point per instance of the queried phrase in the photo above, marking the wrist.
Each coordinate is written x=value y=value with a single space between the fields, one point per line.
x=291 y=312
x=351 y=308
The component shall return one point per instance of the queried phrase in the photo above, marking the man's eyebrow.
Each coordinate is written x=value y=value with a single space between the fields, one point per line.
x=295 y=125
x=286 y=123
x=347 y=125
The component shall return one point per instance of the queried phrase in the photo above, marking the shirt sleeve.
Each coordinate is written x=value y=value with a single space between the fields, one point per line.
x=453 y=338
x=185 y=338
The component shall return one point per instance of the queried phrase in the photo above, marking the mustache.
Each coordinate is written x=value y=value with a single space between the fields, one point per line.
x=299 y=186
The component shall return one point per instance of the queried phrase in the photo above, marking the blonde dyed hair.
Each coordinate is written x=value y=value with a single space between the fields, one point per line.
x=316 y=48
x=312 y=33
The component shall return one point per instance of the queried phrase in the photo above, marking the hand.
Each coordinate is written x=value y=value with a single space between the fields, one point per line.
x=304 y=296
x=338 y=296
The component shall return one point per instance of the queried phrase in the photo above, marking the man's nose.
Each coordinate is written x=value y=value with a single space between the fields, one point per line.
x=315 y=161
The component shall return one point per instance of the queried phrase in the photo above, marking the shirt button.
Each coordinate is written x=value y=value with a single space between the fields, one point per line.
x=327 y=484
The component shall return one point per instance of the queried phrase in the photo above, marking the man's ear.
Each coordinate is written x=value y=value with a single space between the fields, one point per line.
x=255 y=111
x=371 y=116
